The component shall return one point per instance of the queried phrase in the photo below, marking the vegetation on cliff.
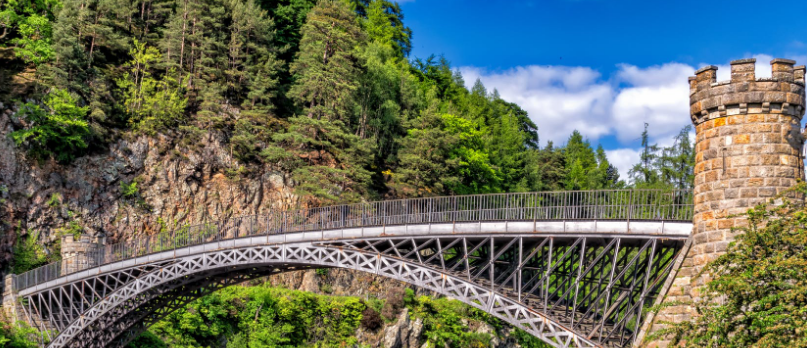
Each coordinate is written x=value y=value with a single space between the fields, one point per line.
x=325 y=90
x=16 y=336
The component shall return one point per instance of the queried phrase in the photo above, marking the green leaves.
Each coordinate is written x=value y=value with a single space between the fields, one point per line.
x=34 y=43
x=758 y=293
x=153 y=104
x=59 y=130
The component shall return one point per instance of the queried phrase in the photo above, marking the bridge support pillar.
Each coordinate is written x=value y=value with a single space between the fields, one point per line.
x=748 y=149
x=82 y=253
x=9 y=298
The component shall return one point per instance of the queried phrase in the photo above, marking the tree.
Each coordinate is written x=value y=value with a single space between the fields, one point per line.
x=385 y=20
x=34 y=43
x=425 y=166
x=585 y=168
x=59 y=130
x=153 y=104
x=677 y=162
x=328 y=160
x=325 y=66
x=756 y=296
x=644 y=174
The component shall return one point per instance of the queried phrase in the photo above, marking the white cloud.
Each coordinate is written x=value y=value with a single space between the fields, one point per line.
x=623 y=160
x=657 y=95
x=561 y=99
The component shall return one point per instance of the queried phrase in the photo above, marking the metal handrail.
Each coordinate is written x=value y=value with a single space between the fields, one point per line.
x=630 y=205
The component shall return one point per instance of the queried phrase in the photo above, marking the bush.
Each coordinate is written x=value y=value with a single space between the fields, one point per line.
x=16 y=335
x=128 y=190
x=370 y=319
x=59 y=130
x=28 y=253
x=756 y=295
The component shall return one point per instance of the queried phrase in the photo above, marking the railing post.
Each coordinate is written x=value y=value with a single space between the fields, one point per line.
x=630 y=207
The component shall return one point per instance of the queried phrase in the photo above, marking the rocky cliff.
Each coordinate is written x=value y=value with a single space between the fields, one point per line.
x=177 y=182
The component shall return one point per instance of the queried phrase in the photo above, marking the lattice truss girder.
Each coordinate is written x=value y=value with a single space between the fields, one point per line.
x=583 y=291
x=595 y=286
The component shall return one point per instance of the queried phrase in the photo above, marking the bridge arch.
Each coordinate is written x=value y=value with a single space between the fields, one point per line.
x=574 y=276
x=102 y=323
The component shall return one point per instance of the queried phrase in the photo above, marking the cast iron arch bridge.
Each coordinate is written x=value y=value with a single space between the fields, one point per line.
x=575 y=269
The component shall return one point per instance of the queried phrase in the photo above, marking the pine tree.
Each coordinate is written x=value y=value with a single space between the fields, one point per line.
x=678 y=161
x=335 y=159
x=325 y=66
x=644 y=173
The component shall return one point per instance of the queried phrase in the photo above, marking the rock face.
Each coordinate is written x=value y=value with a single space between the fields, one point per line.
x=748 y=149
x=176 y=185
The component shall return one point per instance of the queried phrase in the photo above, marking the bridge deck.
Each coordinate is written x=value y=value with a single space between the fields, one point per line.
x=573 y=268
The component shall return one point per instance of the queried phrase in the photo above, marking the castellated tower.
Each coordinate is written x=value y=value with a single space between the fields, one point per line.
x=748 y=149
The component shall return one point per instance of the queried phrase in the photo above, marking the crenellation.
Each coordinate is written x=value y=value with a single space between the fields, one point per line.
x=798 y=73
x=782 y=69
x=742 y=70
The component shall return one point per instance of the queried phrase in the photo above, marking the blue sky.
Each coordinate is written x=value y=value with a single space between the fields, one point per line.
x=604 y=67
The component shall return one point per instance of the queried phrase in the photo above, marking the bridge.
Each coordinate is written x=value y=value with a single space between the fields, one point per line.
x=575 y=269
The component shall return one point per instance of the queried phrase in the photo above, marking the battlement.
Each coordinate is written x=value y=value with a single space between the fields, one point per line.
x=782 y=93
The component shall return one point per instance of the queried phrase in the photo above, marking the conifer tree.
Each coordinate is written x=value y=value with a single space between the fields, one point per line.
x=327 y=78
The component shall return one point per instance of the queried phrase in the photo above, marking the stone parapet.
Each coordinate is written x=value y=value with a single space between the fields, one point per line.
x=745 y=94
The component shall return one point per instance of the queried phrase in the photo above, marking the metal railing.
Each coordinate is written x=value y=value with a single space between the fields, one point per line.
x=656 y=205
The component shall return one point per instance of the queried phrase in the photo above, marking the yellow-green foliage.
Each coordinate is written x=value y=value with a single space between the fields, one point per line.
x=16 y=335
x=29 y=253
x=263 y=316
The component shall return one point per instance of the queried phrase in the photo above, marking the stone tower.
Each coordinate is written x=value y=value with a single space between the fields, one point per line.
x=748 y=149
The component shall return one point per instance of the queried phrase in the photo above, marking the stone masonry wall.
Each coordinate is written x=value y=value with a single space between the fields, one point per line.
x=748 y=149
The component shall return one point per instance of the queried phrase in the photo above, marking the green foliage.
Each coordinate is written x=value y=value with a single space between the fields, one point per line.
x=34 y=43
x=322 y=272
x=128 y=190
x=261 y=316
x=72 y=228
x=668 y=167
x=756 y=295
x=526 y=340
x=29 y=253
x=55 y=200
x=17 y=335
x=323 y=90
x=59 y=130
x=153 y=104
x=443 y=323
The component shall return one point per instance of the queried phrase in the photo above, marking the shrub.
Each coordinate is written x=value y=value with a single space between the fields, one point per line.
x=756 y=295
x=55 y=200
x=59 y=130
x=128 y=190
x=28 y=253
x=370 y=319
